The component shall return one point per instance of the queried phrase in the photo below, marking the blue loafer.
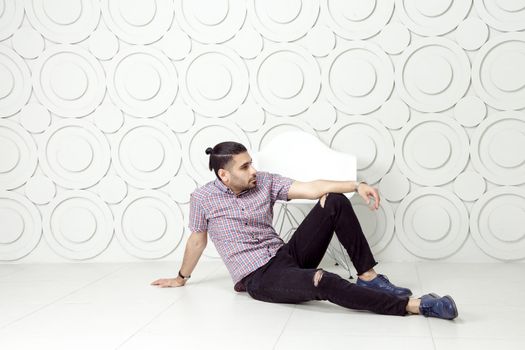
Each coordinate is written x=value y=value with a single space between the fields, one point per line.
x=381 y=283
x=432 y=305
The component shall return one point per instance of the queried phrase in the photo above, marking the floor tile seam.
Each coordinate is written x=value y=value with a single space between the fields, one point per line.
x=58 y=299
x=521 y=337
x=149 y=322
x=163 y=311
x=427 y=321
x=284 y=327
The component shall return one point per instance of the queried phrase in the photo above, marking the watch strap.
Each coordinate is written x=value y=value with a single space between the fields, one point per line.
x=184 y=277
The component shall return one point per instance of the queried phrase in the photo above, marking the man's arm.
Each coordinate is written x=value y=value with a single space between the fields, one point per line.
x=317 y=188
x=194 y=248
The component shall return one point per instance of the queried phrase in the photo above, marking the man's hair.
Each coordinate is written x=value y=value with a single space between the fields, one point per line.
x=222 y=154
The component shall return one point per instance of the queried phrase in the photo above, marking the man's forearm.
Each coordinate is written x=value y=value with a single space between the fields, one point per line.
x=325 y=186
x=192 y=253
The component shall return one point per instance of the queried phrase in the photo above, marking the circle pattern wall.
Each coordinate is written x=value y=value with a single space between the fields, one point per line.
x=107 y=106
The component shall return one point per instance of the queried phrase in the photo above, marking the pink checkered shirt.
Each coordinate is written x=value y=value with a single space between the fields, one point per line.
x=240 y=226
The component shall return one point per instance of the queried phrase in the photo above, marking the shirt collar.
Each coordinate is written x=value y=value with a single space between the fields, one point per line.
x=218 y=183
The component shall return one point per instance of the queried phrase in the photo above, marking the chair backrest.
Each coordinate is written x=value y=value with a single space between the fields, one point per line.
x=302 y=156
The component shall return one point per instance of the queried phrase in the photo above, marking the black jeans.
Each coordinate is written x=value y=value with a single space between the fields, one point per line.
x=289 y=276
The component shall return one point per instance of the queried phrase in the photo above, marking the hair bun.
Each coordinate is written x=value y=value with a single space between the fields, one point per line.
x=209 y=150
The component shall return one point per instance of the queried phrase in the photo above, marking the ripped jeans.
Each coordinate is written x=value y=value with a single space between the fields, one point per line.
x=292 y=276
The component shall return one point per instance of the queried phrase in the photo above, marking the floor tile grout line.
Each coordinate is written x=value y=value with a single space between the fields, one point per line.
x=149 y=322
x=163 y=311
x=417 y=265
x=284 y=327
x=59 y=298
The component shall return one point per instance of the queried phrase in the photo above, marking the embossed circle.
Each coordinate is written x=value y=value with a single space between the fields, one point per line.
x=432 y=150
x=21 y=227
x=496 y=148
x=15 y=82
x=149 y=224
x=274 y=127
x=108 y=118
x=142 y=81
x=394 y=186
x=470 y=111
x=210 y=21
x=320 y=41
x=285 y=79
x=358 y=77
x=137 y=21
x=498 y=72
x=69 y=81
x=176 y=44
x=112 y=189
x=378 y=225
x=394 y=38
x=74 y=154
x=247 y=43
x=11 y=16
x=469 y=185
x=432 y=17
x=502 y=15
x=179 y=117
x=180 y=188
x=497 y=223
x=394 y=114
x=78 y=225
x=249 y=116
x=204 y=134
x=35 y=118
x=321 y=115
x=432 y=223
x=357 y=19
x=18 y=152
x=283 y=20
x=65 y=22
x=103 y=44
x=28 y=43
x=146 y=153
x=369 y=141
x=40 y=189
x=433 y=74
x=472 y=33
x=214 y=81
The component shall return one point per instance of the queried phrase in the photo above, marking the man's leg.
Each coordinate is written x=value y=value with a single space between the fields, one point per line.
x=282 y=281
x=311 y=239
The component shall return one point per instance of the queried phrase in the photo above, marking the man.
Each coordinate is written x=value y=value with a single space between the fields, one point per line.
x=236 y=211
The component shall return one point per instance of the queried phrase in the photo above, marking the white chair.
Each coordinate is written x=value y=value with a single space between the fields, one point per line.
x=302 y=156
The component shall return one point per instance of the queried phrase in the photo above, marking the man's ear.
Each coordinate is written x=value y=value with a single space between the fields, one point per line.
x=222 y=174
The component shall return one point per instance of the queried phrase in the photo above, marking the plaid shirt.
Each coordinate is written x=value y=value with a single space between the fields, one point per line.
x=240 y=226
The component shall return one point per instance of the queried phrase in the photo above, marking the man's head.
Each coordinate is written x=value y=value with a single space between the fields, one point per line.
x=232 y=165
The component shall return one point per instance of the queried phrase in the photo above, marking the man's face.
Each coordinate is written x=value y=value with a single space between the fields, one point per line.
x=241 y=175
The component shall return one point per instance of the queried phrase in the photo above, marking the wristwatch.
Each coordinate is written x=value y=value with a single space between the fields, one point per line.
x=184 y=277
x=359 y=183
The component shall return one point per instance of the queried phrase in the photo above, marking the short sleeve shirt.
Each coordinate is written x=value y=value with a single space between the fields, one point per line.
x=240 y=226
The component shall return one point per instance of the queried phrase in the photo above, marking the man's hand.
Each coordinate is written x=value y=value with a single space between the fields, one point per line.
x=366 y=191
x=169 y=282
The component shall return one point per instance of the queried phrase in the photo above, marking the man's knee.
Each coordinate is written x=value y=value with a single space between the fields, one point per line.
x=317 y=277
x=323 y=200
x=334 y=198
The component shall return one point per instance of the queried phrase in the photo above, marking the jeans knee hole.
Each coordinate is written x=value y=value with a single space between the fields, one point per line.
x=317 y=277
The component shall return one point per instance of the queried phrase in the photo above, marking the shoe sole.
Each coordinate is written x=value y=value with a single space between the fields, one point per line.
x=384 y=291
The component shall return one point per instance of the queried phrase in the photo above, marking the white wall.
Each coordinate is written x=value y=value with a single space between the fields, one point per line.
x=107 y=107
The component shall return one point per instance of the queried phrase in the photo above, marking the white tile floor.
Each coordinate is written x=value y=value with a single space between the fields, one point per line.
x=113 y=306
